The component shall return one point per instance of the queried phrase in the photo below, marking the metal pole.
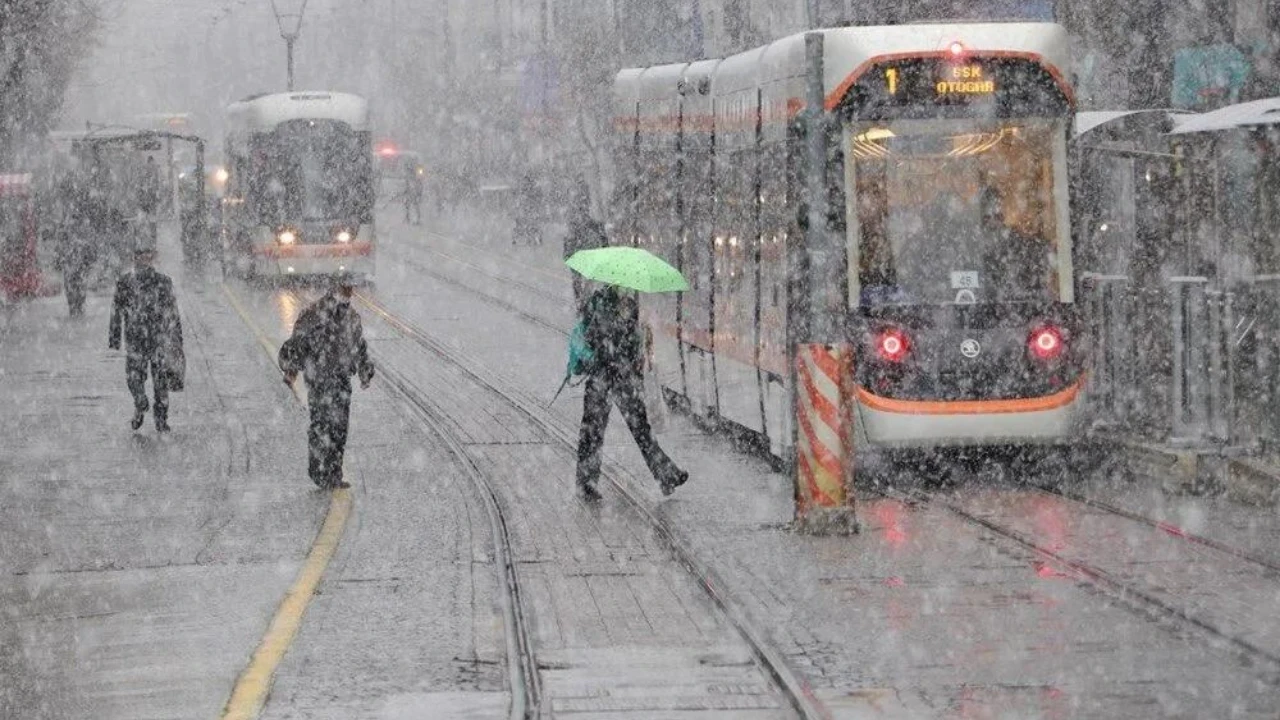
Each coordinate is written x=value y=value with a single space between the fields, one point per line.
x=824 y=263
x=288 y=44
x=812 y=13
x=824 y=444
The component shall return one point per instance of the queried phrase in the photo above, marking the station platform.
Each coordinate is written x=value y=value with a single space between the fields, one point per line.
x=924 y=614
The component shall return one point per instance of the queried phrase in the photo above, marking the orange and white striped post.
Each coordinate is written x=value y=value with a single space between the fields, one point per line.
x=824 y=440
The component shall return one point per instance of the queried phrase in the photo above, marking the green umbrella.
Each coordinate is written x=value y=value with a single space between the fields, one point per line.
x=628 y=267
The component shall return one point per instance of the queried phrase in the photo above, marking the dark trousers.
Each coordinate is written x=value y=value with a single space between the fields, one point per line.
x=73 y=279
x=327 y=437
x=413 y=206
x=136 y=367
x=625 y=390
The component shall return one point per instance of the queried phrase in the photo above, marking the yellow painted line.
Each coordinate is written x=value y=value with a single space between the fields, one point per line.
x=254 y=684
x=271 y=350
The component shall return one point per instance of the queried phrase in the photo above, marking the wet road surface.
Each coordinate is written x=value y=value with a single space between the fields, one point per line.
x=139 y=574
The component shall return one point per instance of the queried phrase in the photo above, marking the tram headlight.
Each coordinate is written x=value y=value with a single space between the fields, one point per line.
x=343 y=236
x=286 y=237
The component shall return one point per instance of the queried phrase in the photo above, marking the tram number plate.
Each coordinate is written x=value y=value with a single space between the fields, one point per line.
x=965 y=280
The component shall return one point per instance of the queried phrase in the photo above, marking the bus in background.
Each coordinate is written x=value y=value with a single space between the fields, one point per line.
x=300 y=190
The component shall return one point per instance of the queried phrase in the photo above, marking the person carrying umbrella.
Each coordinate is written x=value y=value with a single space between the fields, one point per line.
x=611 y=324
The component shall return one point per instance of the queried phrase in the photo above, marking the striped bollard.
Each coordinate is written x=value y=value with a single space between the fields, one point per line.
x=824 y=440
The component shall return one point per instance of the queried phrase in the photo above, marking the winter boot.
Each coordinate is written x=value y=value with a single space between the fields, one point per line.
x=139 y=414
x=673 y=481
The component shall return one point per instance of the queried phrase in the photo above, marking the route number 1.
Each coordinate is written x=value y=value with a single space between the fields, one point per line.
x=891 y=77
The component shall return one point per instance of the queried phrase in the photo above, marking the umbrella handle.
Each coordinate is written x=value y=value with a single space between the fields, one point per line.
x=563 y=385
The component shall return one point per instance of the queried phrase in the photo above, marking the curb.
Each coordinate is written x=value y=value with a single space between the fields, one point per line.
x=1201 y=471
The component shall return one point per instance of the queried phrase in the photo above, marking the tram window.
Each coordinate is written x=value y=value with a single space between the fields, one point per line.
x=943 y=206
x=312 y=171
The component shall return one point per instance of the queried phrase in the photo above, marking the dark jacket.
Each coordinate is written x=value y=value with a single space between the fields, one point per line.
x=145 y=311
x=327 y=346
x=585 y=233
x=613 y=334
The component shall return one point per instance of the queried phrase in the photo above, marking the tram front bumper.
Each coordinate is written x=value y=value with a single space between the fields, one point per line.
x=318 y=260
x=1041 y=421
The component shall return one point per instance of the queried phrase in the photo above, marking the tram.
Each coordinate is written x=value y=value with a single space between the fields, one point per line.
x=300 y=186
x=948 y=176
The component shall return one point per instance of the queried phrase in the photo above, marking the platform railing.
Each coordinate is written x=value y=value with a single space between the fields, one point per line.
x=1255 y=342
x=1163 y=361
x=1109 y=309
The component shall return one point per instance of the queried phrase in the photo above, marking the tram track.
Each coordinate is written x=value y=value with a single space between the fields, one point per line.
x=533 y=288
x=1146 y=603
x=522 y=667
x=1270 y=568
x=797 y=693
x=488 y=297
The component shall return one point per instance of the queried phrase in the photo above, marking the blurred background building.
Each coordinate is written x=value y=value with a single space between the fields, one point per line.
x=489 y=88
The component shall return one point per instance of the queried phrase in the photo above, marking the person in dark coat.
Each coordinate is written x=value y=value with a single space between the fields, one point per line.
x=529 y=211
x=328 y=348
x=149 y=188
x=413 y=191
x=145 y=309
x=73 y=228
x=585 y=233
x=616 y=375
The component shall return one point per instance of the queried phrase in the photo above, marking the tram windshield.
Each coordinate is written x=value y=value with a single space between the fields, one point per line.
x=957 y=211
x=312 y=170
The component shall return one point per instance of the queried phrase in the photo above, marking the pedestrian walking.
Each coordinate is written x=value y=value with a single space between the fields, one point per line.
x=73 y=233
x=145 y=311
x=585 y=233
x=615 y=375
x=327 y=346
x=149 y=188
x=530 y=208
x=413 y=192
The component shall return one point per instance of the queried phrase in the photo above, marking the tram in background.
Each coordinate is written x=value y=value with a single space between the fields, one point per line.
x=300 y=189
x=948 y=178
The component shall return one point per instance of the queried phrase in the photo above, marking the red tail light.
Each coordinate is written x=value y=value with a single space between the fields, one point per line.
x=1046 y=343
x=892 y=345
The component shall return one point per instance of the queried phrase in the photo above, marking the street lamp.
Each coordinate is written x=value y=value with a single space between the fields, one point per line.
x=289 y=19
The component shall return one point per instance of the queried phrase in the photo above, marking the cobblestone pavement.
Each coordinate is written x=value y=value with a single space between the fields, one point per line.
x=139 y=573
x=924 y=613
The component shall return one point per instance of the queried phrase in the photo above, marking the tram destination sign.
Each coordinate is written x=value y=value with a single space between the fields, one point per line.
x=894 y=86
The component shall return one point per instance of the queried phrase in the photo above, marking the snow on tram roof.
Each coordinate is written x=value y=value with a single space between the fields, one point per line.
x=268 y=111
x=1247 y=114
x=850 y=51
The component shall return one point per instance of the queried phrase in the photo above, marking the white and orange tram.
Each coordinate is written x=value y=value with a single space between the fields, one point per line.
x=300 y=187
x=948 y=183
